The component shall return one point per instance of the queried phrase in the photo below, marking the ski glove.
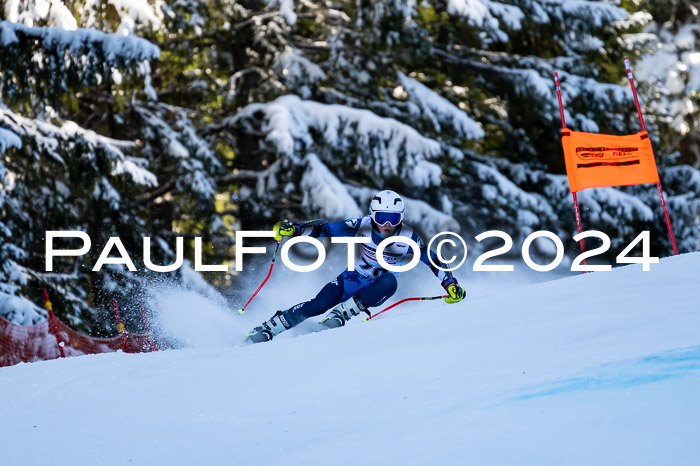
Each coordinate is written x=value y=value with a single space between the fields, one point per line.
x=283 y=228
x=454 y=291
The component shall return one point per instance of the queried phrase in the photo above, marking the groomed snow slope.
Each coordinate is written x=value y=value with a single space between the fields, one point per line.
x=598 y=369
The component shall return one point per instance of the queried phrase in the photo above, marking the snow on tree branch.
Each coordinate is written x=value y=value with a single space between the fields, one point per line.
x=483 y=13
x=296 y=69
x=597 y=12
x=286 y=10
x=387 y=146
x=52 y=139
x=190 y=153
x=324 y=193
x=133 y=167
x=607 y=205
x=134 y=12
x=500 y=188
x=533 y=78
x=639 y=18
x=115 y=47
x=28 y=12
x=437 y=108
x=9 y=139
x=673 y=69
x=20 y=310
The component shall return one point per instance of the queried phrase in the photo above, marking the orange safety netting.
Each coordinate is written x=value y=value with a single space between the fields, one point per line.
x=596 y=160
x=28 y=343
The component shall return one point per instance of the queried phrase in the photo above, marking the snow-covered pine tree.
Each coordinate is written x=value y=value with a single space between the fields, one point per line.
x=261 y=109
x=668 y=68
x=519 y=47
x=386 y=94
x=341 y=127
x=63 y=176
x=99 y=153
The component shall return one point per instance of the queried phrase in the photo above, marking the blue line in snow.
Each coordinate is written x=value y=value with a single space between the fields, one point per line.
x=625 y=374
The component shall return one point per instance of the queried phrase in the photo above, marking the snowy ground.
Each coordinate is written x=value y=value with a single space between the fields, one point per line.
x=599 y=369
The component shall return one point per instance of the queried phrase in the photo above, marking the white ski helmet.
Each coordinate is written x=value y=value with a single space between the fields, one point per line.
x=387 y=206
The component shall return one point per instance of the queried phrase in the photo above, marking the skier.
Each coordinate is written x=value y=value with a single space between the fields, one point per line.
x=369 y=284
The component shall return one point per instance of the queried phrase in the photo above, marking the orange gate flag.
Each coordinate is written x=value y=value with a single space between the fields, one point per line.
x=595 y=160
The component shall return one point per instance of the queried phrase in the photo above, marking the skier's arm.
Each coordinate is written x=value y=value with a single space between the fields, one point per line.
x=447 y=280
x=316 y=229
x=347 y=227
x=427 y=254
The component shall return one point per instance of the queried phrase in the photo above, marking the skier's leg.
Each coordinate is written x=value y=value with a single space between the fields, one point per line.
x=362 y=296
x=329 y=296
x=378 y=291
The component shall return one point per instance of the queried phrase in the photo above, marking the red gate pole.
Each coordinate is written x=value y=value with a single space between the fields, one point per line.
x=658 y=183
x=144 y=316
x=120 y=325
x=53 y=324
x=577 y=212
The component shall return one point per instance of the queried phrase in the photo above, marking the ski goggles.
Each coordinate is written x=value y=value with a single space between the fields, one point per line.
x=393 y=218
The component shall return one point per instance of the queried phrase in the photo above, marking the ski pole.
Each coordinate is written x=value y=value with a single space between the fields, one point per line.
x=309 y=223
x=269 y=272
x=419 y=298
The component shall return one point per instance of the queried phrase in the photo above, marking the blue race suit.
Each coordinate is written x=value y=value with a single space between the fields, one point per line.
x=369 y=282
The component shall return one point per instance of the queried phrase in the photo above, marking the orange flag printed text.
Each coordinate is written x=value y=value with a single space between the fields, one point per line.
x=595 y=160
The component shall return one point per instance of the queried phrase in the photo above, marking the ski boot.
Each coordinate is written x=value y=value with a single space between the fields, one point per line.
x=344 y=312
x=276 y=325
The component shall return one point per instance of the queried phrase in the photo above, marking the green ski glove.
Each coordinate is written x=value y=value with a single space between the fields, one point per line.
x=455 y=292
x=283 y=228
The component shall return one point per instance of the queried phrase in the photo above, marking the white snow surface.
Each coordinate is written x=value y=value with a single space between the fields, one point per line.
x=602 y=368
